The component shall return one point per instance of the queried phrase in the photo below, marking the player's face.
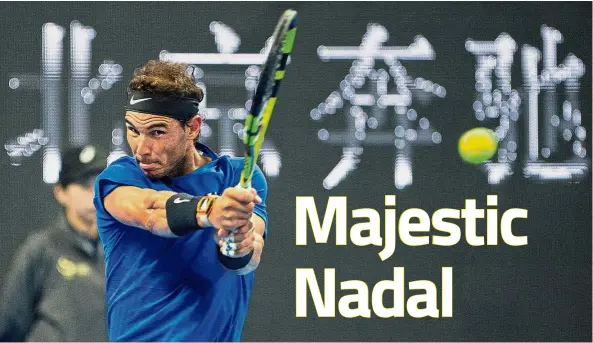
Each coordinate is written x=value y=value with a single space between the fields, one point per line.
x=159 y=144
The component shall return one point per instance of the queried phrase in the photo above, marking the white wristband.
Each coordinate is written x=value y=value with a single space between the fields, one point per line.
x=204 y=222
x=204 y=209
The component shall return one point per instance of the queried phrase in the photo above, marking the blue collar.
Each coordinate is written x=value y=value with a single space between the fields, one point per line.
x=206 y=151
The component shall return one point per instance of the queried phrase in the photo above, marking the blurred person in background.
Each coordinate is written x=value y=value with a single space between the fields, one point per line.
x=55 y=289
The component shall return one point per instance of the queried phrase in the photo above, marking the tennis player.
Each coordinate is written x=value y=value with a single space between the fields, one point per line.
x=181 y=242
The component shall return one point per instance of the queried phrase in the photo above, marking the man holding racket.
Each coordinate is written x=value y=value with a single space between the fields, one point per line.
x=181 y=241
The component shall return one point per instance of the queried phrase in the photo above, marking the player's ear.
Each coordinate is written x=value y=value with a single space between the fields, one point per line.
x=194 y=125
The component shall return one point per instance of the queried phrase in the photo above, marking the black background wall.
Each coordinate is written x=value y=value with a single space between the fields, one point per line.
x=541 y=291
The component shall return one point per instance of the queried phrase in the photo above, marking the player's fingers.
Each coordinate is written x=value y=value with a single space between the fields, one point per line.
x=239 y=233
x=244 y=208
x=258 y=246
x=243 y=196
x=244 y=248
x=233 y=224
x=245 y=228
x=231 y=205
x=255 y=243
x=240 y=238
x=235 y=220
x=246 y=245
x=239 y=222
x=236 y=252
x=257 y=199
x=258 y=242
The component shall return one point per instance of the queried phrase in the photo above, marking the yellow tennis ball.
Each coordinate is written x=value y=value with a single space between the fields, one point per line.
x=477 y=145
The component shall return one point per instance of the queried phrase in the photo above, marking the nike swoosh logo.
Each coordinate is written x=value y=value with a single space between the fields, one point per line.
x=132 y=101
x=179 y=201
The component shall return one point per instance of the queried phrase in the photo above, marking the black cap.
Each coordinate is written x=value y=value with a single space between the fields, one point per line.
x=81 y=164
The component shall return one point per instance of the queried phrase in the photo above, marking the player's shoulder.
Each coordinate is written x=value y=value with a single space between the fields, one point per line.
x=123 y=162
x=122 y=172
x=124 y=165
x=235 y=162
x=238 y=162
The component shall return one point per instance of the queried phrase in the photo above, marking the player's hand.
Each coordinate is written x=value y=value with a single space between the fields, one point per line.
x=233 y=209
x=240 y=242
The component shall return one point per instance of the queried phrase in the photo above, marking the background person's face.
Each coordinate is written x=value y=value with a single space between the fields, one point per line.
x=77 y=199
x=157 y=143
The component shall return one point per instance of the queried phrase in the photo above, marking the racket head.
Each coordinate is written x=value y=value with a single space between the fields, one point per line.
x=264 y=99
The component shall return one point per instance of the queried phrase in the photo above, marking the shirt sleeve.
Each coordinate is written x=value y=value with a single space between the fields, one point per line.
x=122 y=172
x=22 y=290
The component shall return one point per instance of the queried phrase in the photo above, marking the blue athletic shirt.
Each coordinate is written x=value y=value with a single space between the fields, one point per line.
x=172 y=289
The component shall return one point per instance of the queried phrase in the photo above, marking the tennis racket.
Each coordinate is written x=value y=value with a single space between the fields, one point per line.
x=264 y=100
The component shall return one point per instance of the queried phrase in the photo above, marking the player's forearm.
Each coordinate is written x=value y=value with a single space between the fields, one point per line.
x=152 y=215
x=135 y=207
x=137 y=213
x=164 y=213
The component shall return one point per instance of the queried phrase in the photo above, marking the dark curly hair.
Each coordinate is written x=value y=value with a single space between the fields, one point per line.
x=167 y=78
